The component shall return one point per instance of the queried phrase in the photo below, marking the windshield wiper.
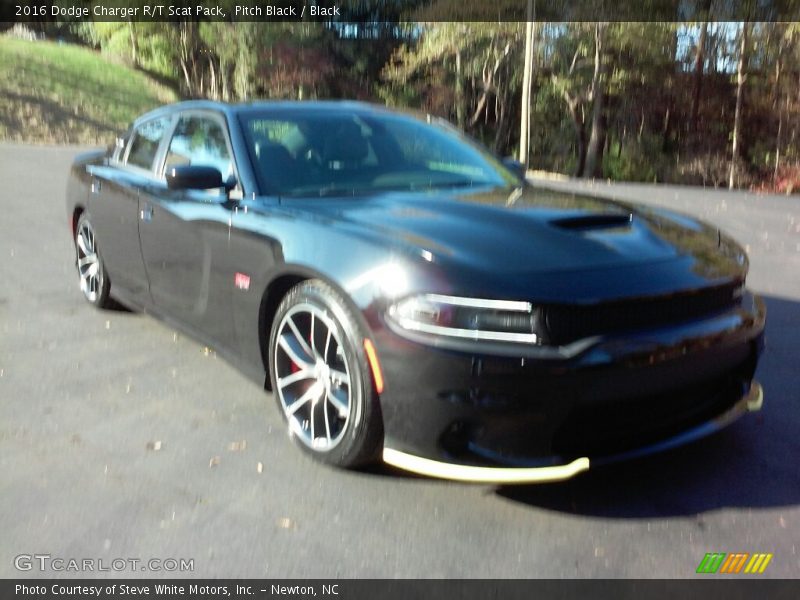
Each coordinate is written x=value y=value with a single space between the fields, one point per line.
x=462 y=184
x=327 y=191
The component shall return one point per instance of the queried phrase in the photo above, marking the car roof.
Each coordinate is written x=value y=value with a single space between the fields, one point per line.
x=231 y=109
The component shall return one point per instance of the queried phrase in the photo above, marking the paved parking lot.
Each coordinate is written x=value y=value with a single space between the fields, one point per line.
x=121 y=439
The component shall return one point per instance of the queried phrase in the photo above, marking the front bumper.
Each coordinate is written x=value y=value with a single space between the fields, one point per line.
x=512 y=417
x=751 y=402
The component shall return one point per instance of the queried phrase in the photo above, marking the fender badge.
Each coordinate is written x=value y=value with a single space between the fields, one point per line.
x=241 y=281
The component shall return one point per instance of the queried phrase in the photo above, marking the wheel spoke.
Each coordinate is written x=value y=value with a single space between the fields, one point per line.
x=300 y=340
x=327 y=423
x=314 y=391
x=311 y=342
x=293 y=354
x=327 y=345
x=82 y=243
x=341 y=406
x=87 y=260
x=300 y=375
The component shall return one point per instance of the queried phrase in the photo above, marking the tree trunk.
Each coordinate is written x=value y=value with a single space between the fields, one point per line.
x=778 y=146
x=502 y=126
x=594 y=154
x=224 y=75
x=186 y=41
x=580 y=134
x=479 y=109
x=213 y=91
x=737 y=119
x=460 y=118
x=699 y=62
x=776 y=104
x=134 y=45
x=186 y=77
x=597 y=140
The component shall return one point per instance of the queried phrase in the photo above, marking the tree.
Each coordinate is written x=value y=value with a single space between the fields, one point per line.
x=582 y=87
x=737 y=122
x=461 y=71
x=712 y=103
x=699 y=62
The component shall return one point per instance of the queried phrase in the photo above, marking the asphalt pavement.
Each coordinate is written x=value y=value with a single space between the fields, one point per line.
x=121 y=439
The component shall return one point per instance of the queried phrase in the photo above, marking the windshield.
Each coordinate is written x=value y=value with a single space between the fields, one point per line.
x=327 y=153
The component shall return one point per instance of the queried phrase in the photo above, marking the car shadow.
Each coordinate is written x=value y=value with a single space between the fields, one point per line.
x=753 y=464
x=115 y=305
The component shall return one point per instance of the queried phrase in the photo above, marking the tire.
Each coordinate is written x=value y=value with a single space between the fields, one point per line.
x=324 y=387
x=92 y=275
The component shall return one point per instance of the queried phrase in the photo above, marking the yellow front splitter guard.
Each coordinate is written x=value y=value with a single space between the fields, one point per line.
x=433 y=468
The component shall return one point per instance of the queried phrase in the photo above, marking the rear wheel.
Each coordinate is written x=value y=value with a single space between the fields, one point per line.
x=92 y=275
x=321 y=377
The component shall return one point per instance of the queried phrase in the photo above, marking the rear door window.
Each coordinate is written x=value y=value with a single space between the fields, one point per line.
x=146 y=140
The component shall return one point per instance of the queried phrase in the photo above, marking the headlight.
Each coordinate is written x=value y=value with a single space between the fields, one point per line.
x=468 y=318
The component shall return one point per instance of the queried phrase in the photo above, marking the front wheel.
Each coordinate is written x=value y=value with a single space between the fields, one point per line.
x=92 y=275
x=321 y=377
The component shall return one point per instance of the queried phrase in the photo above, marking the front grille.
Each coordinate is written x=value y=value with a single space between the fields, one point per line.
x=567 y=323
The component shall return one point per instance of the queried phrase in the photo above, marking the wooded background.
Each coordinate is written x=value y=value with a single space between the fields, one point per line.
x=707 y=102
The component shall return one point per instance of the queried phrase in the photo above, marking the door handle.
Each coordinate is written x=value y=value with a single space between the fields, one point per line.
x=146 y=214
x=95 y=188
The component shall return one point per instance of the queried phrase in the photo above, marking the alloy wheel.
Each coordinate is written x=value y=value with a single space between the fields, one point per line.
x=313 y=377
x=89 y=268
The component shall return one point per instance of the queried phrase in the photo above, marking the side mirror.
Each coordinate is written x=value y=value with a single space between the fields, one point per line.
x=516 y=167
x=194 y=178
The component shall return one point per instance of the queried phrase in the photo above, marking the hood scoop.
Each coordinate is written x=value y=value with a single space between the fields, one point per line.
x=591 y=222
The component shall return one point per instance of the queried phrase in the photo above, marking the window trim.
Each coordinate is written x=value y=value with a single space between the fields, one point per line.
x=219 y=118
x=118 y=153
x=157 y=158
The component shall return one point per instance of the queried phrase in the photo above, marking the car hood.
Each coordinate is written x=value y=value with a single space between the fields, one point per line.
x=531 y=231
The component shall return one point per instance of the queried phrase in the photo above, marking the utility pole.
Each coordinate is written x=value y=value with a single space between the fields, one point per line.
x=527 y=79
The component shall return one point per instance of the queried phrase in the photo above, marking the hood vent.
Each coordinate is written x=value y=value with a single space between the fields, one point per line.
x=600 y=221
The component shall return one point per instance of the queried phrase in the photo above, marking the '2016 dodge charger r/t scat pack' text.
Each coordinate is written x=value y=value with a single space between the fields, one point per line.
x=407 y=296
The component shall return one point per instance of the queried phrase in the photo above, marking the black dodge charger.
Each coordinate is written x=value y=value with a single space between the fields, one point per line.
x=407 y=296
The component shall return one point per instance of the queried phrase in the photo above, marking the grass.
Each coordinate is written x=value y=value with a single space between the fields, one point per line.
x=60 y=93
